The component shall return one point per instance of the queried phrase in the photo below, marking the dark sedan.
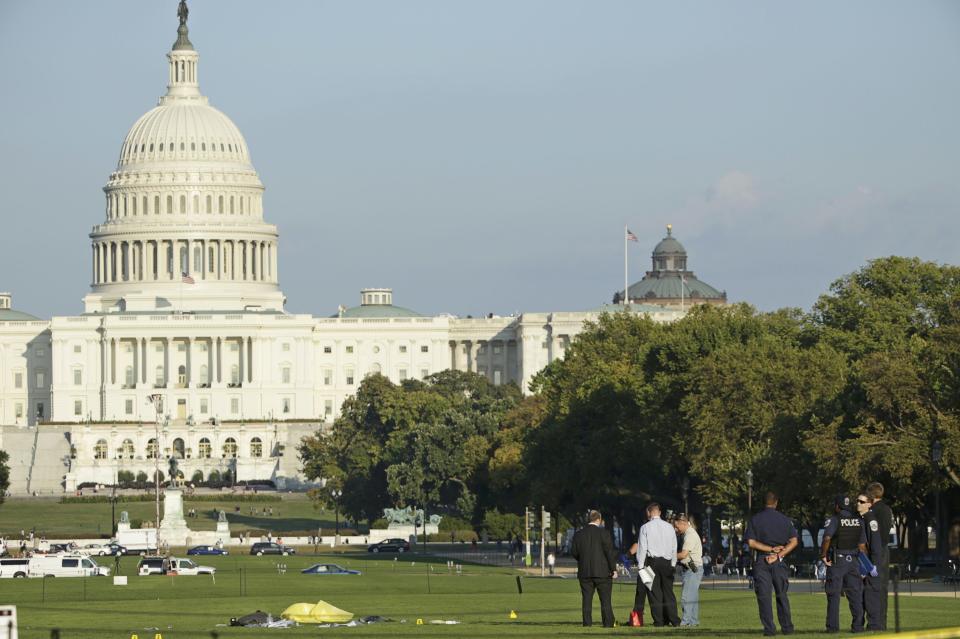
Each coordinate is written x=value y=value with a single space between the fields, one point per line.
x=328 y=569
x=390 y=545
x=207 y=550
x=269 y=548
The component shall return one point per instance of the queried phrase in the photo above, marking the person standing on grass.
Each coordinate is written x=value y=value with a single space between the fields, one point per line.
x=773 y=536
x=690 y=557
x=657 y=548
x=596 y=567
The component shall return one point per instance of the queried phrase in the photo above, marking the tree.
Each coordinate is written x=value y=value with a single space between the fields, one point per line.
x=4 y=475
x=422 y=443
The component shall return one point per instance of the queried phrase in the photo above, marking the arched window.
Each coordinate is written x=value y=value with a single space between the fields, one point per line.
x=178 y=448
x=209 y=204
x=210 y=259
x=193 y=146
x=220 y=204
x=204 y=374
x=182 y=375
x=169 y=204
x=158 y=375
x=156 y=205
x=100 y=450
x=203 y=146
x=256 y=447
x=196 y=203
x=231 y=205
x=133 y=202
x=235 y=374
x=230 y=448
x=128 y=378
x=204 y=448
x=241 y=198
x=151 y=448
x=126 y=449
x=183 y=203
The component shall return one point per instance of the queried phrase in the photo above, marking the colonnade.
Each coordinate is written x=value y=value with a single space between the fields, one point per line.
x=226 y=361
x=232 y=203
x=167 y=260
x=471 y=355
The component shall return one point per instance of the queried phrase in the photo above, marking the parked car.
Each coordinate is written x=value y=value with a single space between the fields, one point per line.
x=328 y=569
x=58 y=548
x=171 y=565
x=207 y=550
x=390 y=545
x=271 y=548
x=100 y=550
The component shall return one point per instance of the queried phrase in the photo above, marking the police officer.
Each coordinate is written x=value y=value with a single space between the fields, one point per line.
x=872 y=587
x=773 y=536
x=885 y=521
x=843 y=531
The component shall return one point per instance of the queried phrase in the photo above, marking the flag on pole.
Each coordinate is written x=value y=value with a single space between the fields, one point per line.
x=631 y=236
x=187 y=279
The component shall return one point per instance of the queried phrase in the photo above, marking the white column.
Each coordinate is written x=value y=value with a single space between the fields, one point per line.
x=273 y=261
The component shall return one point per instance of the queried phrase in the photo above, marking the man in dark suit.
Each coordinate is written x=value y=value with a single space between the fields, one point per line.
x=592 y=547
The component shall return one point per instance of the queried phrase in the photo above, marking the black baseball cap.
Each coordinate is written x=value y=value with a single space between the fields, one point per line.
x=843 y=502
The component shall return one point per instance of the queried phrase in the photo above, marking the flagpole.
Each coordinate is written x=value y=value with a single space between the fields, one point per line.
x=626 y=296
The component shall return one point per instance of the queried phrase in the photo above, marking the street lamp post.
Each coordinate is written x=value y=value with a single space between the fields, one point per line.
x=709 y=531
x=749 y=492
x=336 y=493
x=685 y=485
x=936 y=456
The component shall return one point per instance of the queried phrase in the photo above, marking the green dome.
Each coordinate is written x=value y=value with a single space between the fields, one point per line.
x=10 y=315
x=667 y=285
x=377 y=310
x=669 y=245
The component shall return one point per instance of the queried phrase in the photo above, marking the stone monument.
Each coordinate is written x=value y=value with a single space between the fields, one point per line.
x=173 y=528
x=223 y=528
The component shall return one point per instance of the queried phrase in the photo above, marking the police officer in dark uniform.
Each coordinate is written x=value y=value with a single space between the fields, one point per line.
x=876 y=546
x=889 y=533
x=773 y=536
x=843 y=531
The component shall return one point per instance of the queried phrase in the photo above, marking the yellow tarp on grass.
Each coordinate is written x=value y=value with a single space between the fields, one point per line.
x=320 y=612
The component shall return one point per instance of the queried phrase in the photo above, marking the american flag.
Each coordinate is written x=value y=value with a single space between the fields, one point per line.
x=631 y=236
x=187 y=279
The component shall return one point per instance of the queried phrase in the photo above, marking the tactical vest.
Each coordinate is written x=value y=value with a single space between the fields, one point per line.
x=847 y=538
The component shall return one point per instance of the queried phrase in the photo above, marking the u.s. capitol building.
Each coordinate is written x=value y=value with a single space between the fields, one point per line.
x=185 y=307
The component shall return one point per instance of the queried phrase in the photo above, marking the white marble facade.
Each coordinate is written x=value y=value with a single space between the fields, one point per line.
x=185 y=303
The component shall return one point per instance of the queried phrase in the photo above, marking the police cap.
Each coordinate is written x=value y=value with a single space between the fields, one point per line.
x=843 y=502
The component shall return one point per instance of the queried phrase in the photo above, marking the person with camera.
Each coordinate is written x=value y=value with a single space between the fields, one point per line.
x=690 y=558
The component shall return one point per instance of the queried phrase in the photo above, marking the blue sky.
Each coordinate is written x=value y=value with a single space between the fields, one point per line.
x=484 y=156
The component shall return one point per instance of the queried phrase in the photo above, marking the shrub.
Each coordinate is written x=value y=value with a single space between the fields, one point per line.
x=502 y=525
x=214 y=480
x=379 y=524
x=454 y=523
x=197 y=478
x=125 y=478
x=456 y=536
x=141 y=479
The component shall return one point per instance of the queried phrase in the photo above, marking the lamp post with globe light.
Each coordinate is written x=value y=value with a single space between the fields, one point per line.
x=336 y=493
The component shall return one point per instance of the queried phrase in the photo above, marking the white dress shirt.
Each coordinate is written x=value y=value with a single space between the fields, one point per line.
x=657 y=539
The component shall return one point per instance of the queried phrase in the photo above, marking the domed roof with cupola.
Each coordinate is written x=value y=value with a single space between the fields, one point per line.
x=184 y=207
x=669 y=283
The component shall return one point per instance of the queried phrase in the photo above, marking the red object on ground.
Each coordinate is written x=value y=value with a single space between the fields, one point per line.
x=636 y=619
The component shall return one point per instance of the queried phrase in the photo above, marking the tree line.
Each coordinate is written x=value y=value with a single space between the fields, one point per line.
x=863 y=387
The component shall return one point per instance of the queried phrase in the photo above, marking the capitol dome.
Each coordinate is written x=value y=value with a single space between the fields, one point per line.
x=181 y=131
x=184 y=227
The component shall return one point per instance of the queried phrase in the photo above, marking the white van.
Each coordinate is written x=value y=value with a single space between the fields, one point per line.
x=65 y=566
x=14 y=567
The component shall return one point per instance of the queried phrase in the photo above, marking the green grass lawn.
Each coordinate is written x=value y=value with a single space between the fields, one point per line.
x=53 y=519
x=480 y=599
